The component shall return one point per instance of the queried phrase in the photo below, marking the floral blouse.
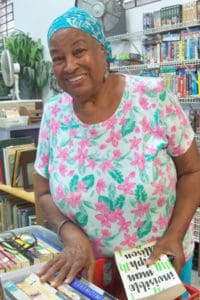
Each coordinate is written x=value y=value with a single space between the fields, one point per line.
x=116 y=179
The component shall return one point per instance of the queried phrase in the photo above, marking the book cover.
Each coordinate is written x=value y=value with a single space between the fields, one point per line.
x=142 y=282
x=6 y=143
x=17 y=178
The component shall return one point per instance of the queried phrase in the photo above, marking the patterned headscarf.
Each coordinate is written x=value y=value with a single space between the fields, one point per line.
x=81 y=19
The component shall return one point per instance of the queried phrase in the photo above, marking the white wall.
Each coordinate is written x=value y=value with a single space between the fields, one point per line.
x=35 y=16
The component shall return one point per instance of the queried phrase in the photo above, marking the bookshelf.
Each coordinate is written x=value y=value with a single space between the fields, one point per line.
x=27 y=196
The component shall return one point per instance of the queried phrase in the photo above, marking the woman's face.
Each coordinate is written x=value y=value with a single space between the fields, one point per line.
x=78 y=62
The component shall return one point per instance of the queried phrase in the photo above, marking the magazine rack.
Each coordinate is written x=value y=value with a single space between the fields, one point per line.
x=194 y=293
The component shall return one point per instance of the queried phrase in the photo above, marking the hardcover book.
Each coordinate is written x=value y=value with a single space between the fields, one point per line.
x=142 y=282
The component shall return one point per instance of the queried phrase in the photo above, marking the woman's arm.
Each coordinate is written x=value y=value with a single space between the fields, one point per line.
x=77 y=252
x=187 y=201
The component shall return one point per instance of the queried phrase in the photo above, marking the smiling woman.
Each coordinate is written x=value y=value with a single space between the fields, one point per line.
x=116 y=158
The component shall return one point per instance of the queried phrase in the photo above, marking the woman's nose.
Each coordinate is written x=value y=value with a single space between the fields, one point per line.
x=70 y=64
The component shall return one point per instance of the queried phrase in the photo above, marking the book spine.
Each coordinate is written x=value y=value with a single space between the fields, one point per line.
x=86 y=290
x=14 y=292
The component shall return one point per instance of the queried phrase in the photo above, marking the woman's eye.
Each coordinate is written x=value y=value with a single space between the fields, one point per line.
x=79 y=52
x=58 y=59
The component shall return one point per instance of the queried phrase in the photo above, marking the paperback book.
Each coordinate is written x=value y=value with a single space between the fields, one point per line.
x=142 y=282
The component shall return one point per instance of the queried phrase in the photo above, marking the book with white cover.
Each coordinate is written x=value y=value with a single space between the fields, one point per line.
x=142 y=282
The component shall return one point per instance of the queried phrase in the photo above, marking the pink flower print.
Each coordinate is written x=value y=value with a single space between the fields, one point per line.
x=110 y=123
x=62 y=169
x=161 y=201
x=160 y=173
x=154 y=229
x=162 y=222
x=100 y=186
x=122 y=121
x=105 y=233
x=55 y=126
x=44 y=135
x=102 y=147
x=173 y=129
x=141 y=210
x=62 y=153
x=51 y=169
x=44 y=160
x=106 y=165
x=71 y=173
x=131 y=175
x=93 y=133
x=84 y=143
x=72 y=132
x=134 y=143
x=66 y=120
x=137 y=129
x=129 y=240
x=178 y=150
x=144 y=103
x=169 y=109
x=81 y=187
x=103 y=219
x=55 y=110
x=116 y=154
x=150 y=150
x=59 y=192
x=74 y=199
x=92 y=163
x=138 y=224
x=123 y=225
x=101 y=207
x=160 y=86
x=127 y=187
x=114 y=138
x=127 y=106
x=81 y=156
x=172 y=183
x=140 y=87
x=139 y=161
x=117 y=214
x=159 y=131
x=159 y=188
x=145 y=125
x=157 y=162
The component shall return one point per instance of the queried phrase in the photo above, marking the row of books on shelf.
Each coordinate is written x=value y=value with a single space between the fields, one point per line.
x=17 y=157
x=170 y=15
x=184 y=81
x=15 y=213
x=169 y=47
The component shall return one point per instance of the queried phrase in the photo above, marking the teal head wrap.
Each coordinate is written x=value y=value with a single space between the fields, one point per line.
x=80 y=19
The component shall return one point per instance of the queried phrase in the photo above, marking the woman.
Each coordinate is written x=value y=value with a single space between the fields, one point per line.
x=117 y=164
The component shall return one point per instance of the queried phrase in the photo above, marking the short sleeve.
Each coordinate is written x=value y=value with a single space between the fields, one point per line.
x=177 y=125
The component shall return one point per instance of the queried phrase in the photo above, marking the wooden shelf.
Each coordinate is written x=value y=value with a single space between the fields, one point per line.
x=18 y=192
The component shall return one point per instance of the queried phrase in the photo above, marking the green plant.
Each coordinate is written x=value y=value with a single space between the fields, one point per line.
x=29 y=53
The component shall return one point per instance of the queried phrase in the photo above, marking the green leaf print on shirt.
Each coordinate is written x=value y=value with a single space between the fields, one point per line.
x=144 y=229
x=113 y=203
x=73 y=183
x=140 y=194
x=82 y=217
x=163 y=95
x=128 y=127
x=89 y=181
x=116 y=175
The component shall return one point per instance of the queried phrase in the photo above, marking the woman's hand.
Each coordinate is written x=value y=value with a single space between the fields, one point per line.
x=169 y=246
x=76 y=255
